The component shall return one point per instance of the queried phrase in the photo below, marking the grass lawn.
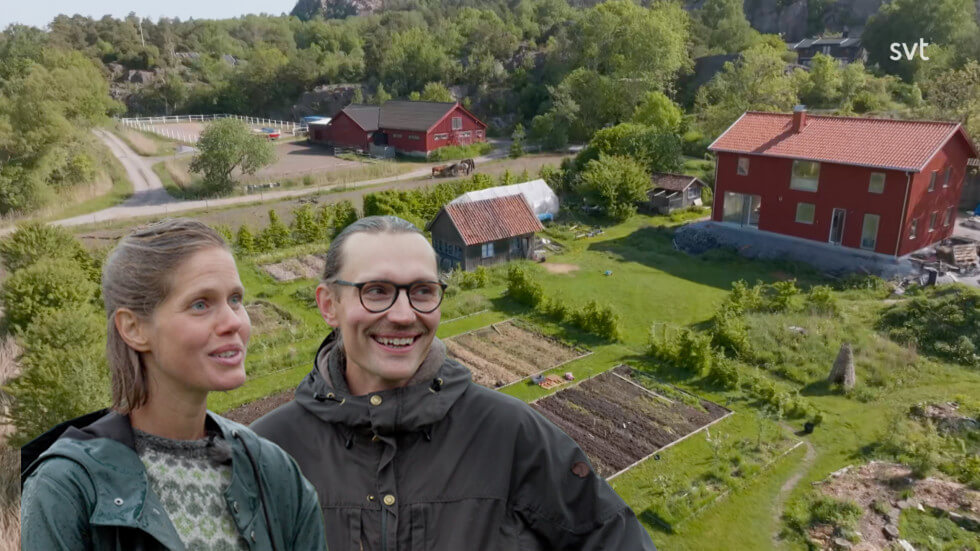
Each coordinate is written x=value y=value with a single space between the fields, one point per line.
x=701 y=493
x=146 y=144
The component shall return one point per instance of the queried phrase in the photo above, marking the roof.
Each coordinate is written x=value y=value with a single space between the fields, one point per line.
x=673 y=182
x=877 y=143
x=837 y=41
x=537 y=193
x=366 y=116
x=413 y=115
x=492 y=219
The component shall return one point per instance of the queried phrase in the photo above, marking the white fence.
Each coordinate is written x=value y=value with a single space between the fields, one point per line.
x=155 y=125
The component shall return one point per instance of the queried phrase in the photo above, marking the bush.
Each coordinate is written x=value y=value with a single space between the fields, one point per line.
x=729 y=332
x=344 y=214
x=843 y=514
x=225 y=232
x=276 y=235
x=683 y=348
x=451 y=152
x=245 y=241
x=34 y=241
x=522 y=288
x=304 y=227
x=944 y=322
x=46 y=285
x=64 y=373
x=725 y=373
x=821 y=300
x=781 y=296
x=598 y=320
x=476 y=279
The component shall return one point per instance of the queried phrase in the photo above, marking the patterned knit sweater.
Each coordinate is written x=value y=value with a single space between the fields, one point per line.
x=191 y=487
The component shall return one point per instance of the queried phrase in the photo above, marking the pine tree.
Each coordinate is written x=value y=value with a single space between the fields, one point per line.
x=304 y=227
x=245 y=241
x=517 y=146
x=344 y=215
x=276 y=234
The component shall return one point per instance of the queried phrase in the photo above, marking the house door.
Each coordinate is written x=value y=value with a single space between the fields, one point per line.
x=742 y=209
x=837 y=226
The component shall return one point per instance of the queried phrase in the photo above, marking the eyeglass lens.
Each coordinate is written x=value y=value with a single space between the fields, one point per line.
x=377 y=296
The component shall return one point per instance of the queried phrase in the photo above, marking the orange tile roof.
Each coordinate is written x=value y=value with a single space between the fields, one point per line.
x=879 y=143
x=492 y=219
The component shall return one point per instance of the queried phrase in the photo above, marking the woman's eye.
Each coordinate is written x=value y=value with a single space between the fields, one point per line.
x=199 y=306
x=236 y=300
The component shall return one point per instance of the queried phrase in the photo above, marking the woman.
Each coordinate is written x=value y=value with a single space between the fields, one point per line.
x=158 y=471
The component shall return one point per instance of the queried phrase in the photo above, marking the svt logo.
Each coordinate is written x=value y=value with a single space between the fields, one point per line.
x=919 y=47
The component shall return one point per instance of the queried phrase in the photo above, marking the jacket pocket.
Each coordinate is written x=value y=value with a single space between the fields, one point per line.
x=418 y=524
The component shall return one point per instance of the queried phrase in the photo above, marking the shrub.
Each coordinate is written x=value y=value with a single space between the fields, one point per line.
x=225 y=233
x=555 y=309
x=344 y=214
x=522 y=288
x=743 y=298
x=245 y=241
x=821 y=300
x=34 y=241
x=451 y=152
x=729 y=332
x=46 y=285
x=725 y=373
x=781 y=296
x=944 y=322
x=598 y=320
x=476 y=279
x=64 y=373
x=826 y=510
x=276 y=235
x=304 y=227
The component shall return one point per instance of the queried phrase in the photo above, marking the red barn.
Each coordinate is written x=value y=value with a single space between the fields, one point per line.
x=412 y=127
x=888 y=186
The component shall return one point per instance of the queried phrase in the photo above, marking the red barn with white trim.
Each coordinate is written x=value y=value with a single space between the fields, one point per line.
x=883 y=185
x=412 y=127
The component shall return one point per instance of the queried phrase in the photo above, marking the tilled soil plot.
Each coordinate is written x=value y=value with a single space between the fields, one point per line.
x=618 y=423
x=504 y=353
x=265 y=317
x=304 y=267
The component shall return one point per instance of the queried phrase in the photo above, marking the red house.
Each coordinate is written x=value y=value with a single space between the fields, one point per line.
x=887 y=186
x=411 y=127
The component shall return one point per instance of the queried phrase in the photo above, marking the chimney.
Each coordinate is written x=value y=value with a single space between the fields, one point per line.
x=846 y=31
x=799 y=118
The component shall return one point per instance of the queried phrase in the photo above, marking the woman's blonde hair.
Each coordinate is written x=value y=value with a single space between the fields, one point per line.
x=138 y=275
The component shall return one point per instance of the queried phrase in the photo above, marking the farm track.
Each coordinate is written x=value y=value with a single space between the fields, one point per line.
x=788 y=486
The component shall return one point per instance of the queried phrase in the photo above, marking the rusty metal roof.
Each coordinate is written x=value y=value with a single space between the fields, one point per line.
x=905 y=145
x=492 y=219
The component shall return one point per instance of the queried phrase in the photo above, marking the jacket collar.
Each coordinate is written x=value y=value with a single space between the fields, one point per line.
x=431 y=392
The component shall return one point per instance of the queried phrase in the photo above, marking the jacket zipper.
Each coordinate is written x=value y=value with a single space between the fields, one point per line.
x=384 y=532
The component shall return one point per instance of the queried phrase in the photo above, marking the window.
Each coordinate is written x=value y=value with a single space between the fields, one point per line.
x=487 y=250
x=743 y=166
x=805 y=175
x=932 y=221
x=441 y=136
x=396 y=135
x=479 y=133
x=949 y=175
x=950 y=214
x=805 y=212
x=932 y=180
x=693 y=192
x=465 y=134
x=869 y=233
x=877 y=184
x=913 y=228
x=457 y=123
x=414 y=137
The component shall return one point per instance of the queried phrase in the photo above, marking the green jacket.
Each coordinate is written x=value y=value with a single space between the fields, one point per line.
x=444 y=464
x=89 y=491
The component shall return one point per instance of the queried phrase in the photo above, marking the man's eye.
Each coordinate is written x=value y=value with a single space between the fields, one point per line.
x=375 y=290
x=199 y=306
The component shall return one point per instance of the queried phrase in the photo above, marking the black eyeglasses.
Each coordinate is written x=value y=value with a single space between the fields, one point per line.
x=378 y=296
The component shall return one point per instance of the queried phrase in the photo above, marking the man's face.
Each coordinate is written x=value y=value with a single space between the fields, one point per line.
x=374 y=362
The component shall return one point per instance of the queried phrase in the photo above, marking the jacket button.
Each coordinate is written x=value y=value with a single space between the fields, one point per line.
x=371 y=498
x=375 y=438
x=234 y=505
x=375 y=400
x=118 y=501
x=252 y=535
x=389 y=500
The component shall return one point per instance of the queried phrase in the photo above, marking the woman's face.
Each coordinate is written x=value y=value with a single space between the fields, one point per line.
x=198 y=335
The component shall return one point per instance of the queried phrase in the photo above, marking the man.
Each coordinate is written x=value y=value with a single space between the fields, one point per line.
x=405 y=451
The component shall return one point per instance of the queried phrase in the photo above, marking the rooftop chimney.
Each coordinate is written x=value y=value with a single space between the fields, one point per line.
x=799 y=118
x=846 y=31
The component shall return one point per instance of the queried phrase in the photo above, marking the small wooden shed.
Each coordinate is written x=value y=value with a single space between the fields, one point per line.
x=670 y=192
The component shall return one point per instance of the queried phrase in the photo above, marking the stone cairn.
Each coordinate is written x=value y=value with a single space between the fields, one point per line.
x=843 y=371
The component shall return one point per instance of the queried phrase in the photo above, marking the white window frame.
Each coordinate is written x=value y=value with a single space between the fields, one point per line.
x=441 y=136
x=949 y=216
x=932 y=180
x=813 y=213
x=457 y=123
x=864 y=228
x=414 y=137
x=802 y=183
x=913 y=228
x=742 y=168
x=933 y=218
x=693 y=192
x=486 y=250
x=949 y=176
x=879 y=189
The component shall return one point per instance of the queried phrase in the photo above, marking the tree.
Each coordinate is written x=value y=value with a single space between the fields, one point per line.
x=245 y=241
x=413 y=58
x=617 y=184
x=436 y=91
x=304 y=226
x=724 y=27
x=34 y=241
x=63 y=371
x=656 y=151
x=825 y=82
x=344 y=215
x=517 y=145
x=276 y=235
x=381 y=95
x=756 y=83
x=44 y=286
x=226 y=145
x=656 y=110
x=955 y=95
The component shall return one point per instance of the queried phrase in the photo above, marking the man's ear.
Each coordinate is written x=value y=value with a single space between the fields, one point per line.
x=132 y=329
x=326 y=302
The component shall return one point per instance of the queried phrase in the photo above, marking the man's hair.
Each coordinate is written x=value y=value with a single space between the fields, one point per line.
x=369 y=224
x=139 y=275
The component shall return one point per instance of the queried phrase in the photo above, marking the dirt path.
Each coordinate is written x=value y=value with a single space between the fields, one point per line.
x=791 y=482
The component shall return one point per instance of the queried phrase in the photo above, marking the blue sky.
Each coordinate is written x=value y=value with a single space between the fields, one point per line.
x=40 y=13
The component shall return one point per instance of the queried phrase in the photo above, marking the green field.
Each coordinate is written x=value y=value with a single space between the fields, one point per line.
x=723 y=485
